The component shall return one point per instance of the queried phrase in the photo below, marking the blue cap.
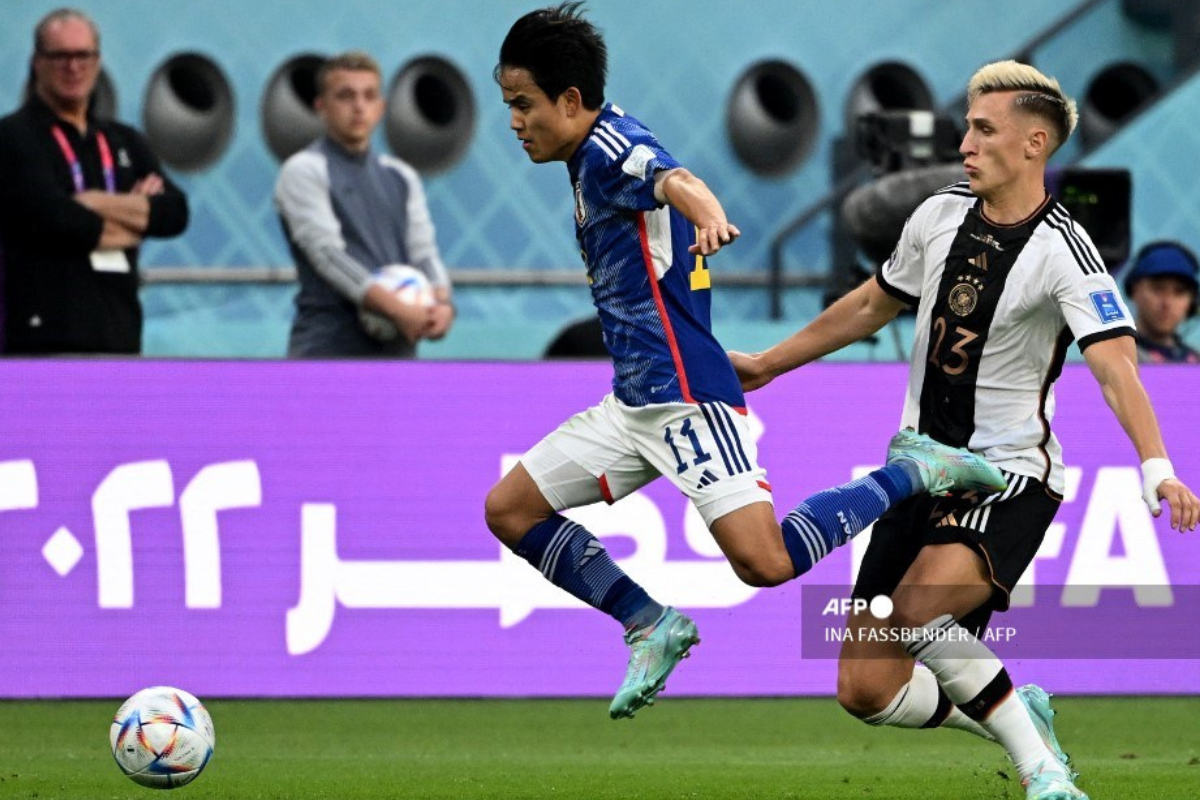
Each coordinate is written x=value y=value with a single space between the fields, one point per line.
x=1163 y=259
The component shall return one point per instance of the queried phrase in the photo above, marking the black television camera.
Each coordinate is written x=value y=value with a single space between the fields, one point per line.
x=899 y=140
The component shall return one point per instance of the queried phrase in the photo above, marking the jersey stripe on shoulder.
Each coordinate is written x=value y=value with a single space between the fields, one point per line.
x=606 y=145
x=613 y=143
x=616 y=134
x=1085 y=255
x=610 y=140
x=962 y=189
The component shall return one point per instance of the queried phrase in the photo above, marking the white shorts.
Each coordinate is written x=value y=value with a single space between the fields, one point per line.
x=613 y=449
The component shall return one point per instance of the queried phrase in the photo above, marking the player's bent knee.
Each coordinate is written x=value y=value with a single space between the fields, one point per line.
x=493 y=512
x=503 y=517
x=510 y=515
x=763 y=572
x=860 y=697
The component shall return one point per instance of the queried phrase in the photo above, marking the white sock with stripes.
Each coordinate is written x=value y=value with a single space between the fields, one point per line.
x=922 y=704
x=975 y=681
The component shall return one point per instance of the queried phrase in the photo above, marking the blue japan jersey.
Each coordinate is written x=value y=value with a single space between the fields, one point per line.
x=653 y=296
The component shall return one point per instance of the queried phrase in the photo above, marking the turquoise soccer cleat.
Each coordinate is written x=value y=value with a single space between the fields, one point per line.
x=1037 y=703
x=654 y=651
x=1051 y=783
x=943 y=467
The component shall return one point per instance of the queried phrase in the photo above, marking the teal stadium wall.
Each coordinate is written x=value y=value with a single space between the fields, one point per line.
x=674 y=65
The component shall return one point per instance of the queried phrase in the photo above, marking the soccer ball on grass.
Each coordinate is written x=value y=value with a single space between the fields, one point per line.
x=162 y=737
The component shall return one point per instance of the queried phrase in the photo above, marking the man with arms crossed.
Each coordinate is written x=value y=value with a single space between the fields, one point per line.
x=645 y=225
x=79 y=197
x=1003 y=280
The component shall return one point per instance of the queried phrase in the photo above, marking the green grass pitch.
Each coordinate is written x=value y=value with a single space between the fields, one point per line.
x=1126 y=748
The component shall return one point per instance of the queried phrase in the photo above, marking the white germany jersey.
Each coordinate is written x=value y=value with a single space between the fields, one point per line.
x=997 y=307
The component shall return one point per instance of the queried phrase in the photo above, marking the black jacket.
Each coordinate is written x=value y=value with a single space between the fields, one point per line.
x=53 y=300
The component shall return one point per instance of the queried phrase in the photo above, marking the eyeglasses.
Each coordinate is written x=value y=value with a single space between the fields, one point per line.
x=63 y=57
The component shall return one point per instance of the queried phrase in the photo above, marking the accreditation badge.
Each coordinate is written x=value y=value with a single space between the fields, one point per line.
x=110 y=261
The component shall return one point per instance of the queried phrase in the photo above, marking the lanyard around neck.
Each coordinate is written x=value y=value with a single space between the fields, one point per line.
x=106 y=160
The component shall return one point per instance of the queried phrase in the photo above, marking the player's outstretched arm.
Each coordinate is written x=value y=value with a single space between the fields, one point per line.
x=692 y=198
x=854 y=317
x=1114 y=363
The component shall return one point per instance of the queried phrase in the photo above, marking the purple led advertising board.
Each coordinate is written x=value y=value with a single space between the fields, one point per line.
x=316 y=529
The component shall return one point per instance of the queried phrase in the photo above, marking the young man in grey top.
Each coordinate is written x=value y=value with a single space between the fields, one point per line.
x=346 y=213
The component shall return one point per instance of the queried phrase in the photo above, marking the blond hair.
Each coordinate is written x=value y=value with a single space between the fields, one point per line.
x=350 y=61
x=1038 y=94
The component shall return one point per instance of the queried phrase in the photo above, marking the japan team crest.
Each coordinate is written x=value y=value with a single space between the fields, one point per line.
x=580 y=208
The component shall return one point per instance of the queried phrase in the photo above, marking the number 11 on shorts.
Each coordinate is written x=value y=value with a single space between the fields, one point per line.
x=686 y=430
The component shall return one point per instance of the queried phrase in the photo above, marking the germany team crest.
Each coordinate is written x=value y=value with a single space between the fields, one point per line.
x=963 y=299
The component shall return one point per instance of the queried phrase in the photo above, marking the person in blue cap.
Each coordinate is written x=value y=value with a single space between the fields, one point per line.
x=1162 y=286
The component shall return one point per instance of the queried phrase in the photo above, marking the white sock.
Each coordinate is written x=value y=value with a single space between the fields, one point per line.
x=922 y=704
x=975 y=681
x=1020 y=738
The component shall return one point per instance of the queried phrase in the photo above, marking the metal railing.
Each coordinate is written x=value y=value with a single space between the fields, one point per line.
x=459 y=277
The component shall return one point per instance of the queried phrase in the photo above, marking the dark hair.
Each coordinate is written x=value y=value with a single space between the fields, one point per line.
x=560 y=49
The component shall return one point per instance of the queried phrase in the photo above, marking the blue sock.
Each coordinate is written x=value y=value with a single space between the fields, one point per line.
x=833 y=517
x=574 y=560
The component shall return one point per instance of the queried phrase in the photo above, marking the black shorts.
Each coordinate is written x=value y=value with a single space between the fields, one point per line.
x=1005 y=530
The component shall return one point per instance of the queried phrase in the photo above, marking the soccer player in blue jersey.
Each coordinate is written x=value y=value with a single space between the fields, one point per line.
x=645 y=226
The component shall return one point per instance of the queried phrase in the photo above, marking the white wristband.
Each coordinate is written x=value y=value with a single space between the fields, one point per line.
x=1154 y=472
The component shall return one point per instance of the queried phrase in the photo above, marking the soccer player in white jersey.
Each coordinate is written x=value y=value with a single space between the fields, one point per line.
x=1003 y=280
x=645 y=226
